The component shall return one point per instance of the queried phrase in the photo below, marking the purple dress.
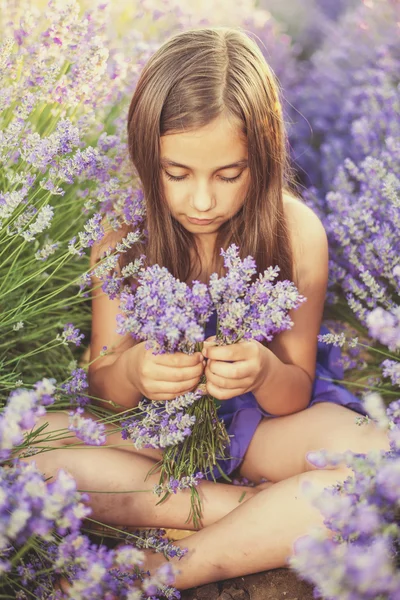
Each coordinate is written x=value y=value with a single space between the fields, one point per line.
x=242 y=414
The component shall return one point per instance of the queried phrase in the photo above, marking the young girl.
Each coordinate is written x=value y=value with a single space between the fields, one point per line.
x=207 y=139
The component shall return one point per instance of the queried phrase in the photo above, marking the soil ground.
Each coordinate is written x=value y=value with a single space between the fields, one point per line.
x=278 y=584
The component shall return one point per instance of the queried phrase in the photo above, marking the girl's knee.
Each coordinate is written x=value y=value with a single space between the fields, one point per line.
x=52 y=430
x=342 y=433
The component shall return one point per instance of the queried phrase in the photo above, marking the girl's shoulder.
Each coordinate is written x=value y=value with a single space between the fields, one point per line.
x=308 y=239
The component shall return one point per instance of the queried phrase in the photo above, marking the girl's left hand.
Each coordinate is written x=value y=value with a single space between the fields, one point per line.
x=235 y=369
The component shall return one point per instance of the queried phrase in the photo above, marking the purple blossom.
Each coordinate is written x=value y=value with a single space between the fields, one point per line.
x=165 y=312
x=361 y=516
x=384 y=326
x=31 y=507
x=89 y=431
x=21 y=413
x=156 y=540
x=175 y=485
x=94 y=231
x=393 y=412
x=160 y=424
x=71 y=334
x=245 y=310
x=391 y=368
x=76 y=386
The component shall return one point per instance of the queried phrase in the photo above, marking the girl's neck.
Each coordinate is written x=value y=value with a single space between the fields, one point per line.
x=205 y=249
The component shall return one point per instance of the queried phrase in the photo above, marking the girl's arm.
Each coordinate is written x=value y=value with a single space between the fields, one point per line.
x=281 y=375
x=131 y=371
x=290 y=358
x=108 y=375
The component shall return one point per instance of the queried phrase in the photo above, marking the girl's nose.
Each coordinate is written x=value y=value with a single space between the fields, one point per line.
x=203 y=200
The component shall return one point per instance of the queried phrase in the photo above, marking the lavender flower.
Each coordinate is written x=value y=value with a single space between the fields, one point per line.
x=156 y=540
x=174 y=485
x=385 y=326
x=251 y=311
x=71 y=334
x=361 y=516
x=88 y=430
x=31 y=507
x=391 y=368
x=98 y=572
x=76 y=386
x=21 y=413
x=165 y=312
x=161 y=424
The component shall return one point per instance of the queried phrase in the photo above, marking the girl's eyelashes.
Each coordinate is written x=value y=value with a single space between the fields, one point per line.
x=182 y=177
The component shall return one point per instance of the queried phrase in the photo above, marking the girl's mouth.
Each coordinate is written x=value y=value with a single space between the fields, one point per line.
x=199 y=221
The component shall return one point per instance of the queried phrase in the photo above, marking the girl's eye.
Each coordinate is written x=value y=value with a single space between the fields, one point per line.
x=182 y=177
x=172 y=178
x=232 y=179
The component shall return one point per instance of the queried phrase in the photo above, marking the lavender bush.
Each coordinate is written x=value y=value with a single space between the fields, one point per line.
x=63 y=169
x=351 y=99
x=362 y=517
x=41 y=522
x=68 y=72
x=344 y=105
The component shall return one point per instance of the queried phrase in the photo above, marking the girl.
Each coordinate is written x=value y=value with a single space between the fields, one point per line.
x=207 y=139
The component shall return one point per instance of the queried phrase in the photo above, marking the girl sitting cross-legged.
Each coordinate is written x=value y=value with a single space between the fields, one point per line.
x=207 y=139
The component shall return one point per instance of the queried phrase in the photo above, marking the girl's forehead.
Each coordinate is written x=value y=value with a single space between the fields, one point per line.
x=217 y=144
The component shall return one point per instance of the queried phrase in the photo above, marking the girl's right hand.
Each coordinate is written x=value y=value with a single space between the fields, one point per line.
x=163 y=376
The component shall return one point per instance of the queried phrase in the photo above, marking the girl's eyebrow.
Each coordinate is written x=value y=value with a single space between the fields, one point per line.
x=240 y=163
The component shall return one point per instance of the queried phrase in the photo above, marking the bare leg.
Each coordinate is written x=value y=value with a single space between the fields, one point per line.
x=260 y=534
x=111 y=470
x=254 y=537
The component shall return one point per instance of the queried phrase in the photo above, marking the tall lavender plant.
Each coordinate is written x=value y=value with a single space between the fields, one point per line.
x=362 y=517
x=63 y=170
x=41 y=521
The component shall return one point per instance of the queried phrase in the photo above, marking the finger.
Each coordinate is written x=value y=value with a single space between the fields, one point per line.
x=166 y=388
x=174 y=374
x=210 y=340
x=161 y=397
x=235 y=370
x=178 y=359
x=222 y=394
x=232 y=352
x=227 y=383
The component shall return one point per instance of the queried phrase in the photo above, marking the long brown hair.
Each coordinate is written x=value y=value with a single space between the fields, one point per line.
x=193 y=78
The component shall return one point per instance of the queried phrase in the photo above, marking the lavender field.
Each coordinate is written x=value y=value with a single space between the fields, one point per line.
x=68 y=70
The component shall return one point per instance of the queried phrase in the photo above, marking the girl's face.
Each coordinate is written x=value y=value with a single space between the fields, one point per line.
x=205 y=175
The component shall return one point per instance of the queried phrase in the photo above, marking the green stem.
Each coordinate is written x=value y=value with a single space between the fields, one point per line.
x=356 y=384
x=374 y=349
x=23 y=551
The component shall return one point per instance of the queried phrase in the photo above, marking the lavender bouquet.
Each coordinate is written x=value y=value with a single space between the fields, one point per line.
x=171 y=316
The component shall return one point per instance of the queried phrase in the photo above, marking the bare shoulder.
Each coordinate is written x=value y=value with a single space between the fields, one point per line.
x=308 y=239
x=105 y=310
